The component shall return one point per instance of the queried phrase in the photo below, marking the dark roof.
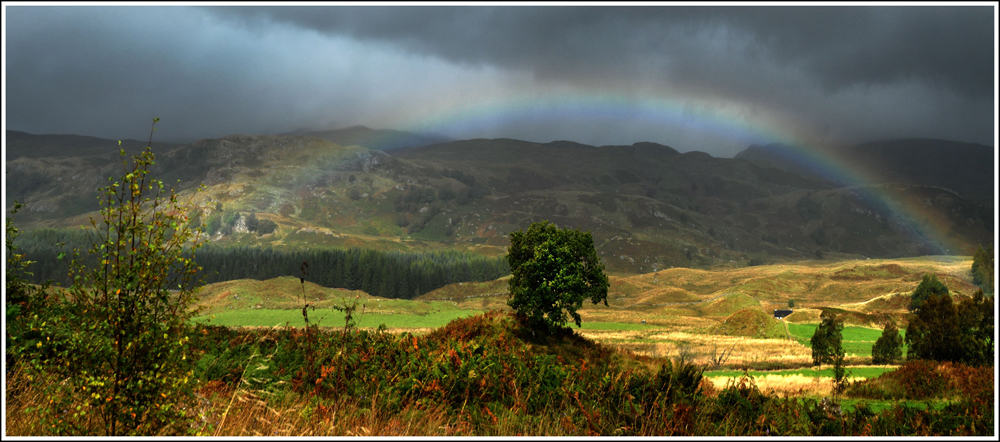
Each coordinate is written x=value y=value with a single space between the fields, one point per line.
x=782 y=313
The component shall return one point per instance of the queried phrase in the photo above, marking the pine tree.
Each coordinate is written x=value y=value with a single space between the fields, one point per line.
x=827 y=340
x=933 y=333
x=888 y=348
x=975 y=321
x=982 y=268
x=928 y=286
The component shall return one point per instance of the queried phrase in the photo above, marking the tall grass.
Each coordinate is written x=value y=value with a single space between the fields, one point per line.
x=487 y=375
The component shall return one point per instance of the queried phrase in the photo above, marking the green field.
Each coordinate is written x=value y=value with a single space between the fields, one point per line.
x=857 y=341
x=330 y=318
x=859 y=372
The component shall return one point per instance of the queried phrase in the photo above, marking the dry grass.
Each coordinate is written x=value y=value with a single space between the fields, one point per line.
x=786 y=385
x=250 y=413
x=21 y=394
x=810 y=284
x=701 y=347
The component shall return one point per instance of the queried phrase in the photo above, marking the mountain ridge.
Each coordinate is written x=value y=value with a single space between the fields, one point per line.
x=648 y=206
x=375 y=139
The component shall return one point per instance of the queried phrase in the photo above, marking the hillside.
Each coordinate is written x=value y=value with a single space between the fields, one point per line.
x=667 y=296
x=22 y=144
x=374 y=139
x=965 y=168
x=654 y=314
x=649 y=207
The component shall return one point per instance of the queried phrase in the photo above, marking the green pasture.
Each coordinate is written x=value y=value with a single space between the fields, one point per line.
x=827 y=372
x=417 y=318
x=330 y=318
x=857 y=341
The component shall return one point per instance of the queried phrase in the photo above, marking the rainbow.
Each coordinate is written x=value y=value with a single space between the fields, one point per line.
x=803 y=147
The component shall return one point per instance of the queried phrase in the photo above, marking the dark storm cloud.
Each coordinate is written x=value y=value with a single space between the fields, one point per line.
x=107 y=71
x=840 y=46
x=845 y=73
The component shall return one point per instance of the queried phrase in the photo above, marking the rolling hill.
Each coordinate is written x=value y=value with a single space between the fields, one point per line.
x=965 y=168
x=649 y=207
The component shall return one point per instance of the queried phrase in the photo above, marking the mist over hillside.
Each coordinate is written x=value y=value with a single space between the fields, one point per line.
x=966 y=168
x=648 y=206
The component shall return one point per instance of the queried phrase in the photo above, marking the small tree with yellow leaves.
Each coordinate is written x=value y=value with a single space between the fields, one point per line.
x=119 y=359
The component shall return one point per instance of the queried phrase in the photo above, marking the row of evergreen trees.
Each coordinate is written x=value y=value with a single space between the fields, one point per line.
x=939 y=329
x=383 y=274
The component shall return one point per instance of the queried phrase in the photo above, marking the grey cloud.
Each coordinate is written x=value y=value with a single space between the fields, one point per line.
x=841 y=46
x=849 y=73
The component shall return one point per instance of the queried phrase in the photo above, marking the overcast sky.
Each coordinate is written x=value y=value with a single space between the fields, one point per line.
x=714 y=79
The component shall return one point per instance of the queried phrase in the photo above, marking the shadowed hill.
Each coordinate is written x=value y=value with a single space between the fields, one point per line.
x=649 y=207
x=966 y=168
x=23 y=144
x=374 y=139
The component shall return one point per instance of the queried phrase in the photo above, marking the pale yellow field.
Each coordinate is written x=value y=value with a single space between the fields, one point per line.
x=787 y=385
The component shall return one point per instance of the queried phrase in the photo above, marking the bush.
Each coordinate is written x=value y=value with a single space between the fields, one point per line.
x=21 y=299
x=888 y=348
x=229 y=221
x=739 y=408
x=921 y=379
x=213 y=224
x=266 y=226
x=446 y=193
x=116 y=347
x=554 y=270
x=251 y=222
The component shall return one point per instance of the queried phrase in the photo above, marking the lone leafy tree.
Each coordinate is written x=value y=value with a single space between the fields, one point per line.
x=827 y=340
x=889 y=347
x=552 y=271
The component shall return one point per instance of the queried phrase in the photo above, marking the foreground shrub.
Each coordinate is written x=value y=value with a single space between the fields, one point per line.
x=112 y=353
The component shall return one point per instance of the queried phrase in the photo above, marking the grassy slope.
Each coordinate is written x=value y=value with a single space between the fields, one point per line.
x=648 y=207
x=856 y=340
x=702 y=311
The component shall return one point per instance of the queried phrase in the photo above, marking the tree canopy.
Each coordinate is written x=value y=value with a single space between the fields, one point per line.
x=889 y=347
x=827 y=340
x=928 y=286
x=933 y=333
x=553 y=271
x=982 y=268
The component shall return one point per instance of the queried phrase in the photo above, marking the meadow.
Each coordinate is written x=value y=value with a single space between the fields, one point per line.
x=456 y=362
x=698 y=314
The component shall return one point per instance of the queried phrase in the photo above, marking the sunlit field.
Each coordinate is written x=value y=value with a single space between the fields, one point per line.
x=712 y=317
